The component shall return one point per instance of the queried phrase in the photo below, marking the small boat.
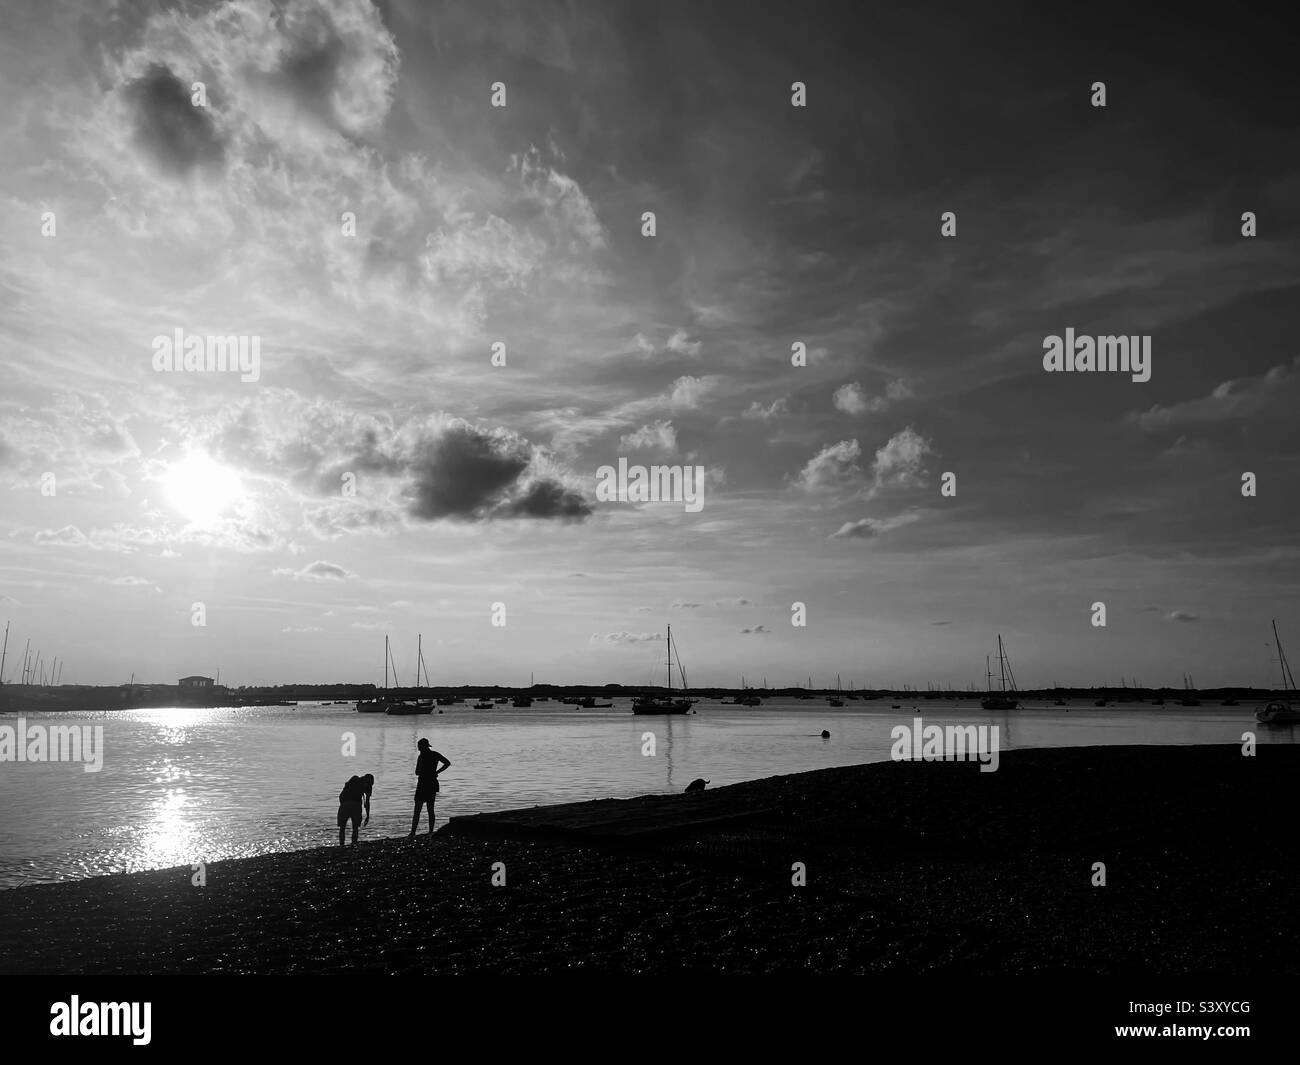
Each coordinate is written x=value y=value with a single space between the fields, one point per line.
x=832 y=701
x=588 y=702
x=665 y=704
x=408 y=709
x=1005 y=699
x=1278 y=713
x=483 y=704
x=522 y=701
x=1060 y=702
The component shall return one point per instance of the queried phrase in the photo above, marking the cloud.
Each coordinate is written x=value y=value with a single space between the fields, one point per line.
x=941 y=623
x=757 y=412
x=757 y=630
x=851 y=399
x=738 y=601
x=562 y=201
x=869 y=528
x=678 y=343
x=625 y=637
x=548 y=500
x=1181 y=615
x=125 y=582
x=68 y=536
x=168 y=128
x=1236 y=399
x=688 y=391
x=304 y=628
x=317 y=571
x=469 y=474
x=901 y=462
x=831 y=467
x=660 y=437
x=677 y=604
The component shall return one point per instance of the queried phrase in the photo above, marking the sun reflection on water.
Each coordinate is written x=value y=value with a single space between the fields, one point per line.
x=169 y=837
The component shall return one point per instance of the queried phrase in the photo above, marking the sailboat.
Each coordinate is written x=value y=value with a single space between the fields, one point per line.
x=1188 y=698
x=1280 y=713
x=665 y=704
x=1005 y=699
x=408 y=707
x=836 y=700
x=379 y=704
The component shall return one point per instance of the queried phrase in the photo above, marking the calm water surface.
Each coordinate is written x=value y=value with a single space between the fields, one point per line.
x=184 y=785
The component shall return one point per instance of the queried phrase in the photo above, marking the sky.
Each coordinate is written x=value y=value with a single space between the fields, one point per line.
x=382 y=476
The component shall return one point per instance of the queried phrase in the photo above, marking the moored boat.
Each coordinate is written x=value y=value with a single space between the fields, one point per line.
x=665 y=704
x=1005 y=699
x=1280 y=713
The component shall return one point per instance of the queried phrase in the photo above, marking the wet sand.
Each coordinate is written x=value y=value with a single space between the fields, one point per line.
x=911 y=868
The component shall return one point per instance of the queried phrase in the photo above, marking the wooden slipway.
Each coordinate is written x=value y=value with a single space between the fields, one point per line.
x=645 y=817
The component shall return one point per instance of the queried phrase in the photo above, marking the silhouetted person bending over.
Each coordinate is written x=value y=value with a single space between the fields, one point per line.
x=356 y=791
x=427 y=767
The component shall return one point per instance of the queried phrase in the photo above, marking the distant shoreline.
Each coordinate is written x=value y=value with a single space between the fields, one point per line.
x=18 y=698
x=911 y=868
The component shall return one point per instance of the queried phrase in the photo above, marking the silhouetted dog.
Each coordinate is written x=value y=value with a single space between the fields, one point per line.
x=696 y=785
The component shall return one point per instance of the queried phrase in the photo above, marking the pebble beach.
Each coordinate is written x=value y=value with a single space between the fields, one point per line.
x=909 y=867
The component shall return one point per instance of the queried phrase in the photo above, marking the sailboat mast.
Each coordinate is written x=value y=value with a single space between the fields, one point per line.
x=5 y=652
x=1287 y=679
x=1002 y=662
x=670 y=659
x=385 y=663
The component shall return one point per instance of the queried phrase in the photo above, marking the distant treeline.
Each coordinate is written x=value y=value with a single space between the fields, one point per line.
x=30 y=698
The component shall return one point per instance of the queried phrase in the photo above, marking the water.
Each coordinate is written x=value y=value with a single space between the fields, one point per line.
x=183 y=785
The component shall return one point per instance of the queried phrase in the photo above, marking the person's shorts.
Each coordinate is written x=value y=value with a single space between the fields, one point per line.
x=426 y=793
x=350 y=811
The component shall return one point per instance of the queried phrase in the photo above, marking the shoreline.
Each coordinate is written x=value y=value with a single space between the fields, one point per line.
x=912 y=867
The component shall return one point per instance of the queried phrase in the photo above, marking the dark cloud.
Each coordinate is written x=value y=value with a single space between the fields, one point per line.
x=310 y=75
x=471 y=475
x=175 y=134
x=757 y=630
x=547 y=499
x=464 y=473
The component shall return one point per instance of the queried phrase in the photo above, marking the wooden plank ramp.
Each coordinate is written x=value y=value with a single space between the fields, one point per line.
x=645 y=817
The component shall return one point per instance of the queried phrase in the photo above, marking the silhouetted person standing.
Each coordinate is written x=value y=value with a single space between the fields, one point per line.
x=427 y=767
x=356 y=791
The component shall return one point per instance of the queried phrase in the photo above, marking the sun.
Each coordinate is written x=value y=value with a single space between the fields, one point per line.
x=201 y=489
